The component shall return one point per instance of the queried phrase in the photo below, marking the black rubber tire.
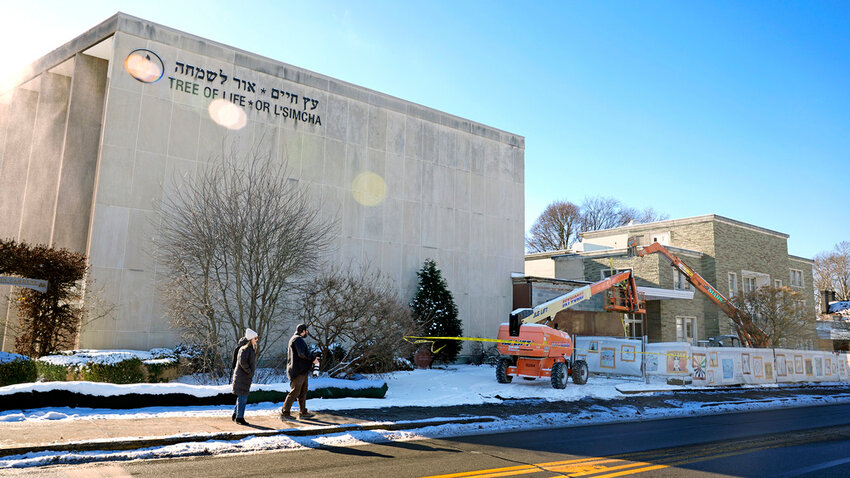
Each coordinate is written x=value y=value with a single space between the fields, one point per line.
x=580 y=372
x=559 y=375
x=502 y=370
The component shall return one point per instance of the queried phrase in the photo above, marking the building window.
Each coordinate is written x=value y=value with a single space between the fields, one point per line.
x=777 y=283
x=680 y=281
x=749 y=284
x=686 y=329
x=733 y=284
x=754 y=280
x=796 y=278
x=634 y=326
x=606 y=273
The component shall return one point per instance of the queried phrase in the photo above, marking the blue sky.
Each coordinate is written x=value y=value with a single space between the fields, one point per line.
x=734 y=108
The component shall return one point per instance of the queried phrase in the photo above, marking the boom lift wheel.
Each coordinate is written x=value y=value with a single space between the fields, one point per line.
x=559 y=375
x=579 y=372
x=502 y=370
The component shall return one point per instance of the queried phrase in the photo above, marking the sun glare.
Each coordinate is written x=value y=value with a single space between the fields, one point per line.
x=369 y=189
x=227 y=114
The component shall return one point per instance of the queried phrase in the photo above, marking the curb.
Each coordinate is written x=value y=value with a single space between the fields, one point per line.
x=137 y=443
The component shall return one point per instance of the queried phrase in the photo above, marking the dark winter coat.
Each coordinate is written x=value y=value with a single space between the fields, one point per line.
x=243 y=372
x=299 y=360
x=241 y=343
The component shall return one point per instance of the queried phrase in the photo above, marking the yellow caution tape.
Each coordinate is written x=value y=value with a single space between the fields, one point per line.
x=425 y=340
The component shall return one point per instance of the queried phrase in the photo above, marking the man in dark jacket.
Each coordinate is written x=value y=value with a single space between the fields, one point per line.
x=299 y=361
x=243 y=374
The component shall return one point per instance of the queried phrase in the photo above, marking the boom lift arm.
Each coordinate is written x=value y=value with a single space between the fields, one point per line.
x=748 y=332
x=627 y=301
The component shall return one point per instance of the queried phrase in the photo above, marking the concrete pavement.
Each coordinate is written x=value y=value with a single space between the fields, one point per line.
x=132 y=433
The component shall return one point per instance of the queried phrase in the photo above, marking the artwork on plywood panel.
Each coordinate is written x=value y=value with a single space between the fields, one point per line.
x=650 y=362
x=827 y=366
x=745 y=364
x=842 y=366
x=627 y=353
x=798 y=364
x=809 y=371
x=758 y=368
x=712 y=359
x=710 y=377
x=768 y=371
x=780 y=365
x=789 y=366
x=593 y=347
x=698 y=363
x=676 y=361
x=819 y=366
x=607 y=357
x=728 y=369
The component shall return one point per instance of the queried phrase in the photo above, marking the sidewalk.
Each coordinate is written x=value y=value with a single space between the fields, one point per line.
x=122 y=434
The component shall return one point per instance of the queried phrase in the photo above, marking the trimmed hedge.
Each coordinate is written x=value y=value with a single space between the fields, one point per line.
x=125 y=371
x=130 y=370
x=65 y=398
x=20 y=370
x=51 y=372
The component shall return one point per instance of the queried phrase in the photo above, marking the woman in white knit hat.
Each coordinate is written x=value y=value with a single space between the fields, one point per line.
x=243 y=375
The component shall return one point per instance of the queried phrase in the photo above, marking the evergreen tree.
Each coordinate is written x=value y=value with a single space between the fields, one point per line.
x=436 y=312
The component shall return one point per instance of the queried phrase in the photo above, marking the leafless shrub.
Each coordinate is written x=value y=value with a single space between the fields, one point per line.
x=357 y=316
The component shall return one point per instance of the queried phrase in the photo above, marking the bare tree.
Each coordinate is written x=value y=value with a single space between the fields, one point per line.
x=561 y=222
x=599 y=213
x=779 y=311
x=236 y=243
x=357 y=320
x=555 y=229
x=636 y=216
x=832 y=271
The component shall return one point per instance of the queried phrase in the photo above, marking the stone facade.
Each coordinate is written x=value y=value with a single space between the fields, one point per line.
x=715 y=247
x=88 y=151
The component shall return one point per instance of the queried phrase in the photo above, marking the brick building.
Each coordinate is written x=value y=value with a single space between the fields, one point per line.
x=731 y=255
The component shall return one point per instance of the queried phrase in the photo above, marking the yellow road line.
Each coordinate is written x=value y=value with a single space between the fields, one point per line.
x=524 y=469
x=664 y=458
x=632 y=472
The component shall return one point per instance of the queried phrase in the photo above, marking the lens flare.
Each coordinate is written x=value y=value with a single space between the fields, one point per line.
x=369 y=189
x=227 y=114
x=144 y=65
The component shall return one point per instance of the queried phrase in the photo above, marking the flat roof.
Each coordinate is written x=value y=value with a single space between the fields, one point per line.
x=209 y=48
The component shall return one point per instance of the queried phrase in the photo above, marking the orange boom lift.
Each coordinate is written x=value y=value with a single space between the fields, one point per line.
x=749 y=333
x=531 y=349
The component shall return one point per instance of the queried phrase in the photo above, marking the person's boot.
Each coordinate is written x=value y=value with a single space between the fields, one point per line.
x=233 y=417
x=306 y=414
x=242 y=421
x=284 y=415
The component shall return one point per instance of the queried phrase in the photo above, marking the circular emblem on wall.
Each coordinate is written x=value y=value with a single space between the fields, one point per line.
x=144 y=65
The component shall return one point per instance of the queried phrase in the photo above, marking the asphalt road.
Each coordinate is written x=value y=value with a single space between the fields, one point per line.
x=811 y=441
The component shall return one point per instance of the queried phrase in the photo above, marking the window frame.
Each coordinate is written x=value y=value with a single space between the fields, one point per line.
x=679 y=277
x=692 y=320
x=733 y=284
x=799 y=272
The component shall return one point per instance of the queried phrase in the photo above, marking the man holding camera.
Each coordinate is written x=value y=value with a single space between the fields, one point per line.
x=299 y=361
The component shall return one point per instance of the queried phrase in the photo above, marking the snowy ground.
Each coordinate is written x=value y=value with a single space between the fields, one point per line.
x=457 y=385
